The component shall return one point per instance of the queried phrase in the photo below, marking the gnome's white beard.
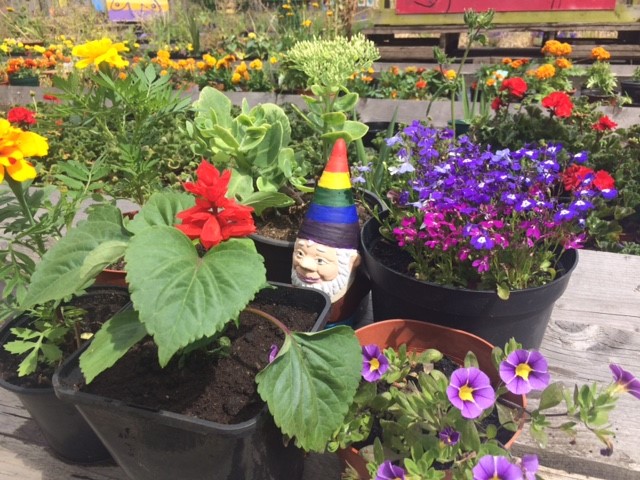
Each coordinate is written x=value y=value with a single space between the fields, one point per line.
x=337 y=287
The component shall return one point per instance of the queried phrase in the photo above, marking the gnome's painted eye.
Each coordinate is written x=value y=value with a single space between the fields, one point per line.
x=321 y=261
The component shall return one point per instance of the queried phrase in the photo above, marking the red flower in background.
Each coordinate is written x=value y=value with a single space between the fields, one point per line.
x=420 y=84
x=516 y=87
x=497 y=104
x=214 y=218
x=603 y=180
x=50 y=98
x=604 y=124
x=574 y=175
x=559 y=103
x=22 y=116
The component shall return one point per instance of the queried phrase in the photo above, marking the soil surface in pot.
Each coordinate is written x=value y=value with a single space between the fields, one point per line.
x=285 y=224
x=205 y=385
x=100 y=307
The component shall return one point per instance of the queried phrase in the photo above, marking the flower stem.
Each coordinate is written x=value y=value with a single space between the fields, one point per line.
x=269 y=317
x=18 y=191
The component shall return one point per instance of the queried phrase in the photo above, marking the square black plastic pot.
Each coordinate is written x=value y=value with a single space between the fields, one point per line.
x=65 y=430
x=156 y=445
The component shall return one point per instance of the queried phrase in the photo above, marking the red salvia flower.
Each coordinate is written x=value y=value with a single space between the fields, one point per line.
x=51 y=98
x=22 y=116
x=604 y=124
x=214 y=218
x=516 y=87
x=559 y=103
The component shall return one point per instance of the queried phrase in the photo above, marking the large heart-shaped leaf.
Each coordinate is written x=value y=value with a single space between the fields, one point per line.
x=182 y=297
x=311 y=383
x=161 y=209
x=72 y=263
x=116 y=336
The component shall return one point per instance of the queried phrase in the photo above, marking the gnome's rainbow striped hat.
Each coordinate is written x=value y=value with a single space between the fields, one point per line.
x=332 y=218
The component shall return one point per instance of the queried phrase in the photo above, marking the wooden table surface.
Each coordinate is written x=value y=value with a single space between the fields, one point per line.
x=595 y=323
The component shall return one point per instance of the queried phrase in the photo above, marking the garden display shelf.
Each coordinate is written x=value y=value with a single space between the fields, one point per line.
x=593 y=324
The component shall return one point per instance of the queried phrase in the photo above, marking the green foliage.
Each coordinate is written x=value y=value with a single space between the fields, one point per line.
x=310 y=384
x=122 y=116
x=253 y=144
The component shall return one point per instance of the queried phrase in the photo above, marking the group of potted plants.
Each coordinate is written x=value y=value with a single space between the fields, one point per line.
x=453 y=217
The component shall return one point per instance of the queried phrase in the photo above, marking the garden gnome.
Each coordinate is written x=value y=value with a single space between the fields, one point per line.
x=325 y=254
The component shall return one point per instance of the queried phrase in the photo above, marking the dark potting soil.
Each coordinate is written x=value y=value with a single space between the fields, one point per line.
x=391 y=256
x=207 y=386
x=100 y=307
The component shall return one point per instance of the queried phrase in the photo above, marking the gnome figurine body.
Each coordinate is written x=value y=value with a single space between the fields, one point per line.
x=325 y=254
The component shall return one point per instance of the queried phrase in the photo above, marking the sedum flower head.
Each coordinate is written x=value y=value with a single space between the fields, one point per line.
x=330 y=63
x=100 y=51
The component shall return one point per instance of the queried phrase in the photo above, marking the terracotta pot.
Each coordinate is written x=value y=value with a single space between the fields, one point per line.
x=110 y=276
x=420 y=336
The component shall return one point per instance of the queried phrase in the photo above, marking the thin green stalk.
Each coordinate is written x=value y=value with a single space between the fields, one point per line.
x=18 y=191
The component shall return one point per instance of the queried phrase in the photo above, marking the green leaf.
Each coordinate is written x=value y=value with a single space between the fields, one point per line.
x=66 y=269
x=182 y=297
x=334 y=120
x=551 y=396
x=503 y=291
x=161 y=209
x=214 y=104
x=116 y=336
x=311 y=384
x=469 y=434
x=260 y=201
x=346 y=103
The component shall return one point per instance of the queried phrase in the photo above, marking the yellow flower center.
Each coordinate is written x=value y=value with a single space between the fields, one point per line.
x=374 y=364
x=466 y=393
x=523 y=370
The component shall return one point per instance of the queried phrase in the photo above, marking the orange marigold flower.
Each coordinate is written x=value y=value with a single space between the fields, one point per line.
x=506 y=61
x=516 y=64
x=394 y=94
x=490 y=82
x=545 y=71
x=563 y=63
x=395 y=70
x=600 y=54
x=421 y=84
x=556 y=48
x=122 y=76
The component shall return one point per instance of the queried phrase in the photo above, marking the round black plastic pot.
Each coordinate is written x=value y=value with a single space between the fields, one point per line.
x=65 y=430
x=524 y=315
x=158 y=445
x=631 y=88
x=278 y=255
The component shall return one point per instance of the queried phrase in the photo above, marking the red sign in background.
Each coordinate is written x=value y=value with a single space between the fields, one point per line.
x=459 y=6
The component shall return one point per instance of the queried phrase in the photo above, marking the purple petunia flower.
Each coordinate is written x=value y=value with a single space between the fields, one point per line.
x=470 y=391
x=529 y=466
x=374 y=363
x=524 y=371
x=389 y=471
x=273 y=353
x=449 y=436
x=496 y=468
x=625 y=381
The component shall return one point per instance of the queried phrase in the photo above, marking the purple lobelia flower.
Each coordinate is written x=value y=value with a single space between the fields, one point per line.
x=625 y=381
x=470 y=391
x=449 y=436
x=496 y=468
x=273 y=353
x=524 y=371
x=389 y=471
x=374 y=363
x=529 y=466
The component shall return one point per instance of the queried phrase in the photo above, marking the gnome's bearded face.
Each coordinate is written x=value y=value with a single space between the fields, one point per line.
x=325 y=255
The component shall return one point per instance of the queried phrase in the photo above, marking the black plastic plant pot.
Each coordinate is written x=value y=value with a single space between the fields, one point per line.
x=524 y=315
x=278 y=255
x=64 y=429
x=631 y=88
x=156 y=445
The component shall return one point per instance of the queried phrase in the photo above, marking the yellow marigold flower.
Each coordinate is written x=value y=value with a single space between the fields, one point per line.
x=545 y=71
x=16 y=146
x=370 y=70
x=491 y=82
x=10 y=9
x=530 y=73
x=4 y=48
x=39 y=49
x=242 y=67
x=306 y=23
x=236 y=78
x=246 y=76
x=563 y=63
x=315 y=5
x=395 y=70
x=329 y=13
x=506 y=61
x=190 y=47
x=163 y=54
x=122 y=75
x=286 y=6
x=273 y=60
x=256 y=64
x=209 y=60
x=163 y=73
x=411 y=69
x=252 y=35
x=367 y=79
x=136 y=45
x=450 y=74
x=290 y=14
x=394 y=94
x=99 y=51
x=201 y=65
x=600 y=54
